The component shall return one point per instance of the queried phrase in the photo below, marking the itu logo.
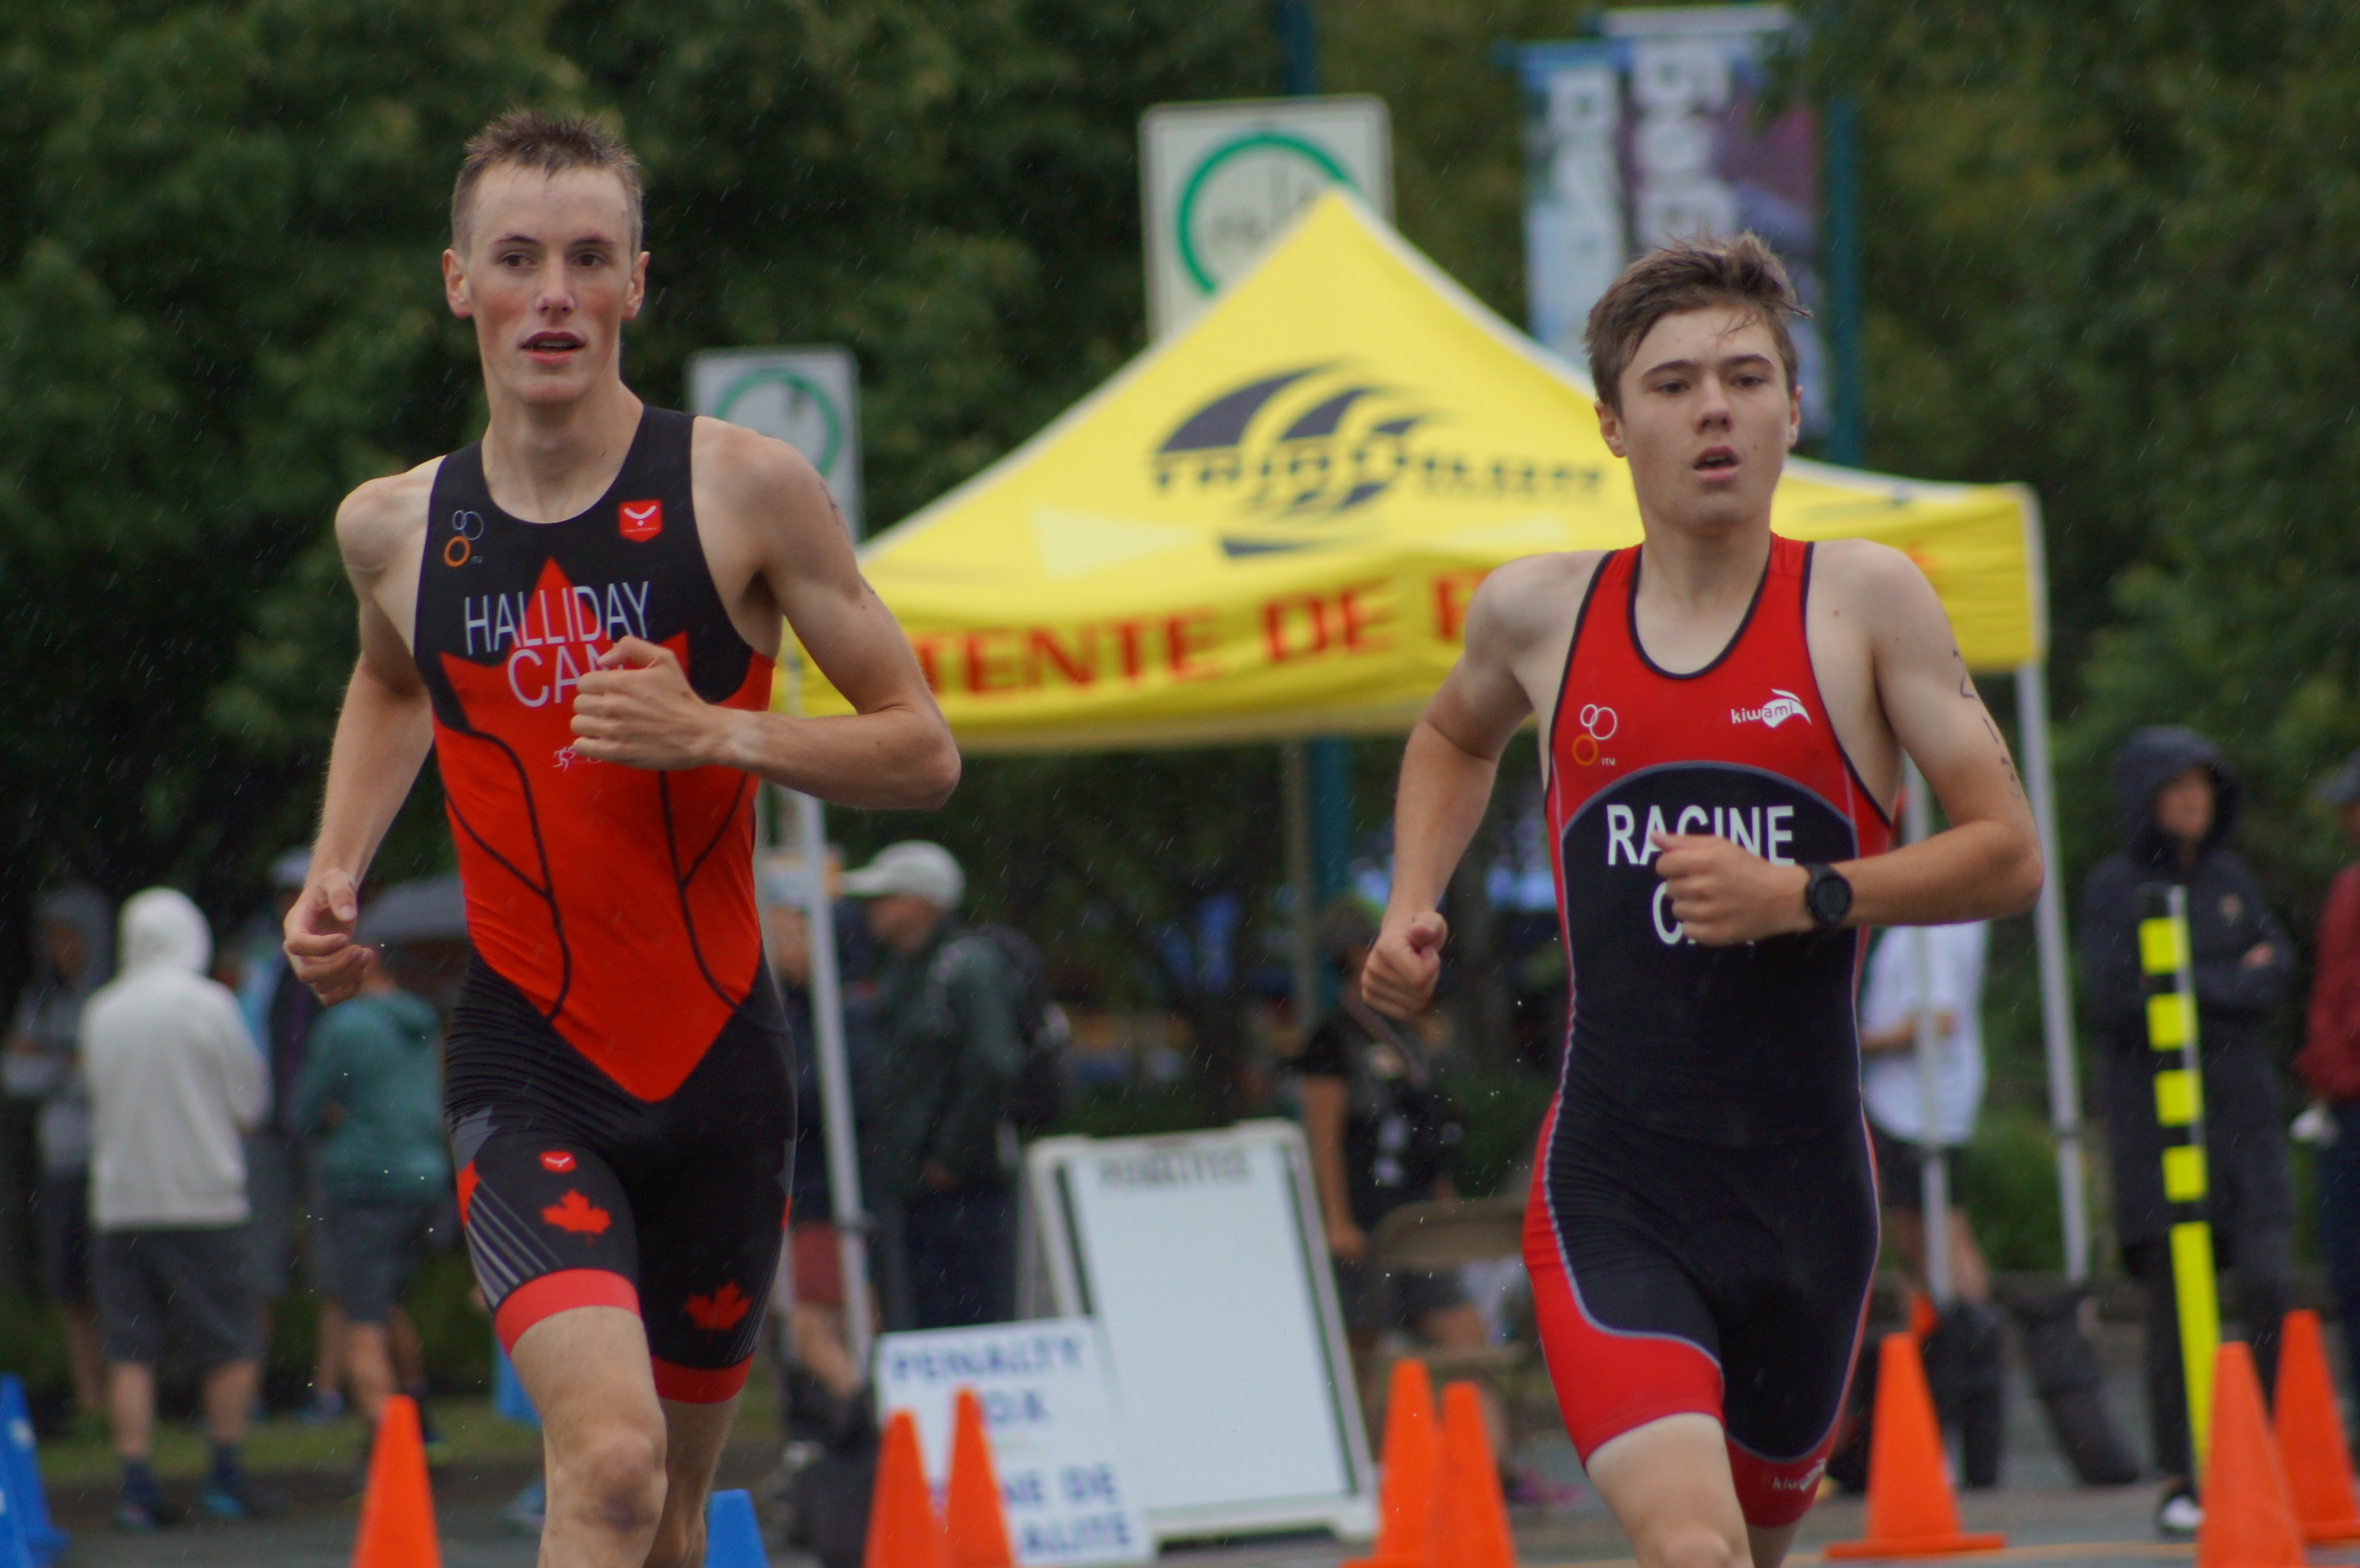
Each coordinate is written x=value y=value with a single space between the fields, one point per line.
x=1305 y=453
x=1782 y=706
x=1598 y=724
x=466 y=528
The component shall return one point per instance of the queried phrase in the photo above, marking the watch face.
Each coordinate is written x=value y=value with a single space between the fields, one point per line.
x=1830 y=898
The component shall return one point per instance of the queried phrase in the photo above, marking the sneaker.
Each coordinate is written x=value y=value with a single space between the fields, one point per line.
x=136 y=1519
x=528 y=1510
x=1522 y=1488
x=326 y=1408
x=243 y=1500
x=2177 y=1515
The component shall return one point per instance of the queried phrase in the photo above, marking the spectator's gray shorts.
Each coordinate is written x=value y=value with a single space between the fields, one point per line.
x=365 y=1253
x=278 y=1170
x=186 y=1292
x=1399 y=1297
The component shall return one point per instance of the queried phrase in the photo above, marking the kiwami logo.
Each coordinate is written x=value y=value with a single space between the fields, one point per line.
x=1782 y=706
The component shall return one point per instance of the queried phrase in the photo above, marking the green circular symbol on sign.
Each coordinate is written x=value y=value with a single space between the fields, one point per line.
x=1280 y=141
x=797 y=386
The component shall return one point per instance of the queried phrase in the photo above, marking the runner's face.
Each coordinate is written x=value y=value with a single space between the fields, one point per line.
x=549 y=279
x=1706 y=420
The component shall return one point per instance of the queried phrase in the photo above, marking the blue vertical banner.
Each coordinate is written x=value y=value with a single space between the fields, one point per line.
x=1657 y=131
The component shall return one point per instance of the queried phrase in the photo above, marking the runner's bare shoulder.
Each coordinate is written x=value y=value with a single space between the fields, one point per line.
x=760 y=479
x=385 y=521
x=1529 y=604
x=1876 y=587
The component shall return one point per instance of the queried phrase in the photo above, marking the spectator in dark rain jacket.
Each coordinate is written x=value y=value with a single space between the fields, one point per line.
x=940 y=1147
x=2177 y=801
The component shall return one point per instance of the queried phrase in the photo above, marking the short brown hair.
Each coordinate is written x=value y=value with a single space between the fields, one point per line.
x=551 y=142
x=1684 y=275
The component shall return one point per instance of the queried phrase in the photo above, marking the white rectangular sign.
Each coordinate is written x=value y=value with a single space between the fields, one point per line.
x=1065 y=1480
x=808 y=398
x=1219 y=181
x=1202 y=1259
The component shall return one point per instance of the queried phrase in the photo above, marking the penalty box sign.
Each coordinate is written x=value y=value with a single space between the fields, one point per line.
x=1220 y=180
x=1065 y=1480
x=808 y=398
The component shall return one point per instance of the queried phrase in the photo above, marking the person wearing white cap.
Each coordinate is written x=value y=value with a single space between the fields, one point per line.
x=947 y=1049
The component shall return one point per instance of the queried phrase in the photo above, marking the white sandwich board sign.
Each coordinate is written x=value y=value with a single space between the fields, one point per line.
x=1220 y=180
x=1065 y=1482
x=808 y=398
x=1202 y=1259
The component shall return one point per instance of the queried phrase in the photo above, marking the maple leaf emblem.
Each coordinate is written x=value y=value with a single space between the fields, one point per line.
x=578 y=1214
x=720 y=1310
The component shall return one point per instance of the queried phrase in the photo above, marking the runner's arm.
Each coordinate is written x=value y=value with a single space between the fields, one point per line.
x=1447 y=768
x=1986 y=863
x=383 y=734
x=892 y=752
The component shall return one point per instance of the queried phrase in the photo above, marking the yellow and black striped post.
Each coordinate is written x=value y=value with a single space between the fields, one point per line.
x=2165 y=959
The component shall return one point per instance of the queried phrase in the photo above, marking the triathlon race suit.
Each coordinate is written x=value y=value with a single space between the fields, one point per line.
x=1703 y=1222
x=618 y=1077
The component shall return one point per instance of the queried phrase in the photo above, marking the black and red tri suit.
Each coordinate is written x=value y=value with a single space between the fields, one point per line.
x=618 y=1078
x=1703 y=1222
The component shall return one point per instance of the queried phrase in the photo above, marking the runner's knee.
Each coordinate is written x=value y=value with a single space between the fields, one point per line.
x=616 y=1468
x=1685 y=1543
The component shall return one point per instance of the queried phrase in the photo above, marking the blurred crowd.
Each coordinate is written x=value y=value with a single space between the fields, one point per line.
x=187 y=1135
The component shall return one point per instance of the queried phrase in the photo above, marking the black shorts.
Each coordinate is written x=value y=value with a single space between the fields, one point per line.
x=1672 y=1277
x=182 y=1295
x=575 y=1194
x=1396 y=1299
x=363 y=1253
x=1901 y=1170
x=63 y=1198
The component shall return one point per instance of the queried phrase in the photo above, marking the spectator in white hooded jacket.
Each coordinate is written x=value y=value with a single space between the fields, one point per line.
x=175 y=1082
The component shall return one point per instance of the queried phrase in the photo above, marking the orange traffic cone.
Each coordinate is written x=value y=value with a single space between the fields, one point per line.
x=1470 y=1518
x=1910 y=1511
x=397 y=1507
x=971 y=1510
x=903 y=1530
x=1413 y=1455
x=2248 y=1517
x=2310 y=1436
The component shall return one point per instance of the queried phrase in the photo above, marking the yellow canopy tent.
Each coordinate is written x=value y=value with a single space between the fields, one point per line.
x=1268 y=526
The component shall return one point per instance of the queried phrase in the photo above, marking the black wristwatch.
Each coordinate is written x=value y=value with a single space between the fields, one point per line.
x=1827 y=897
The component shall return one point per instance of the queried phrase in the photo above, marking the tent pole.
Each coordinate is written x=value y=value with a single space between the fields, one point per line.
x=1933 y=1165
x=1296 y=773
x=2056 y=994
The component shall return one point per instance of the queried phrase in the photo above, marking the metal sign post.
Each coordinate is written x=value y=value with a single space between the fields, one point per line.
x=2165 y=959
x=835 y=1077
x=810 y=398
x=807 y=396
x=1220 y=180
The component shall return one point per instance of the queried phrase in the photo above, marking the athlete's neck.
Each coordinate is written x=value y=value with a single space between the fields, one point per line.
x=1686 y=572
x=544 y=463
x=1694 y=590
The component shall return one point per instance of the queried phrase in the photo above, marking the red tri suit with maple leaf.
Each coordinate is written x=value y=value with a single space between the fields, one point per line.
x=618 y=1080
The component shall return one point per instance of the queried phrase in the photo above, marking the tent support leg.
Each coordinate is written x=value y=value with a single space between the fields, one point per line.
x=2056 y=994
x=1296 y=773
x=1934 y=1165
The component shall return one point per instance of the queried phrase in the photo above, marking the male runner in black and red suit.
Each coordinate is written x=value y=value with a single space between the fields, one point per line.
x=579 y=614
x=1723 y=715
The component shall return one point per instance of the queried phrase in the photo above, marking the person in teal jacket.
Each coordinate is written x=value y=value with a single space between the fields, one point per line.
x=371 y=1093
